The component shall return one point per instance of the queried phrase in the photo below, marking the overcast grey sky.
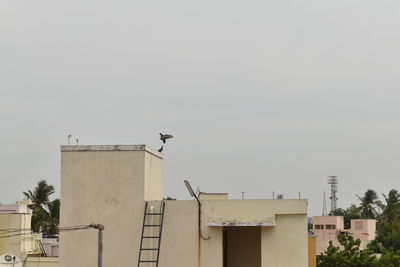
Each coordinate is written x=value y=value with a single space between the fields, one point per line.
x=261 y=95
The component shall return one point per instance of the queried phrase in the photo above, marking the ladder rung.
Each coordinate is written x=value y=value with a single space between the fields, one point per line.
x=151 y=237
x=152 y=225
x=149 y=248
x=146 y=261
x=154 y=214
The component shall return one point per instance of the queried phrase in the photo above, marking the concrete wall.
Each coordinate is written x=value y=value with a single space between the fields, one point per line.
x=338 y=221
x=213 y=196
x=367 y=230
x=179 y=245
x=363 y=229
x=323 y=236
x=153 y=186
x=51 y=247
x=288 y=237
x=107 y=185
x=17 y=245
x=360 y=229
x=41 y=262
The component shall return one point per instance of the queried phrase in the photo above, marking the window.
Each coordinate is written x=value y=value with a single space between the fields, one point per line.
x=319 y=226
x=330 y=226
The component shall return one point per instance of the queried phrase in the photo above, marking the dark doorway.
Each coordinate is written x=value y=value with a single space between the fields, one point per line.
x=242 y=246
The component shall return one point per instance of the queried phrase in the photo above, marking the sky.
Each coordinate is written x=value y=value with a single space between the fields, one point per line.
x=261 y=96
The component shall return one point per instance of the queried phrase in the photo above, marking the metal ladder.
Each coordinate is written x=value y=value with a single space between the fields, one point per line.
x=156 y=225
x=42 y=250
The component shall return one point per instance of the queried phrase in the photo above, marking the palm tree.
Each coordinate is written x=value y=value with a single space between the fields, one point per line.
x=40 y=201
x=391 y=210
x=40 y=195
x=369 y=204
x=53 y=217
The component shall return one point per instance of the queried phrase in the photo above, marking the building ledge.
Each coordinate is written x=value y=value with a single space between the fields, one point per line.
x=225 y=224
x=84 y=148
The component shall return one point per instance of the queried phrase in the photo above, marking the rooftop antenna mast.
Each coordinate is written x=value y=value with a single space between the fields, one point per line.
x=333 y=181
x=324 y=212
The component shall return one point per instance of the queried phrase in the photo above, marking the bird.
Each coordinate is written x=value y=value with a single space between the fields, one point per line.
x=164 y=137
x=161 y=149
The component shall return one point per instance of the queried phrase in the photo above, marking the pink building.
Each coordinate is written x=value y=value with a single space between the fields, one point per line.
x=327 y=228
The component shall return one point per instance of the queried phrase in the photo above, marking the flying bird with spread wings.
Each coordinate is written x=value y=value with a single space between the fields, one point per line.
x=164 y=137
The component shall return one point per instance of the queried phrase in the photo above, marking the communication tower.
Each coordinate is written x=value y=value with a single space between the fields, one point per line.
x=324 y=212
x=333 y=181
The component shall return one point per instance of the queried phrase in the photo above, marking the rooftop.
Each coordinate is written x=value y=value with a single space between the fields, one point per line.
x=82 y=148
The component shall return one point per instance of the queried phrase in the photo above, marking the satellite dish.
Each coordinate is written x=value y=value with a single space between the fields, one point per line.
x=10 y=260
x=189 y=188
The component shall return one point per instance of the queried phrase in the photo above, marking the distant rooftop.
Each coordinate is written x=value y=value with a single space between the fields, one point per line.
x=75 y=148
x=14 y=209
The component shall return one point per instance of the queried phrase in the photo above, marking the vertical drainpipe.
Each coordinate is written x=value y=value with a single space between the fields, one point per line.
x=200 y=236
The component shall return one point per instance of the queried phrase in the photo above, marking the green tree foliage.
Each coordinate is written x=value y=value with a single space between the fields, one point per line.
x=390 y=210
x=369 y=205
x=348 y=215
x=388 y=230
x=349 y=255
x=45 y=213
x=387 y=242
x=53 y=217
x=389 y=258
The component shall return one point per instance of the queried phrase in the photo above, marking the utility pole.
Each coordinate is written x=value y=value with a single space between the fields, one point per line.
x=99 y=227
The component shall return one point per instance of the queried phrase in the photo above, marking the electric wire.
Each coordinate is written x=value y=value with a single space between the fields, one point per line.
x=13 y=232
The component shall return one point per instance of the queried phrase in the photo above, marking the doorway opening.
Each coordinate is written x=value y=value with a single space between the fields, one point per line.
x=242 y=246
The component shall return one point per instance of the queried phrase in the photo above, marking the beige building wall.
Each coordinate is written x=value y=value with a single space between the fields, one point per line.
x=288 y=237
x=41 y=262
x=286 y=234
x=109 y=185
x=179 y=243
x=17 y=243
x=21 y=242
x=213 y=196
